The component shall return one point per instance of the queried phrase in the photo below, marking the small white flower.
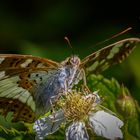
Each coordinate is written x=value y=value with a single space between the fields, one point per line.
x=80 y=110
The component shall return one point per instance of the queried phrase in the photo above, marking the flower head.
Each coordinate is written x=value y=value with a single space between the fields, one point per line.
x=76 y=106
x=80 y=111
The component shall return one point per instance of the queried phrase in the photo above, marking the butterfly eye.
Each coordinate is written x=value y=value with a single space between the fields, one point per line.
x=74 y=60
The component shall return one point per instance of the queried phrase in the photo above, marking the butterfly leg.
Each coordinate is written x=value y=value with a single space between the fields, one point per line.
x=52 y=103
x=52 y=107
x=85 y=87
x=86 y=90
x=82 y=76
x=54 y=99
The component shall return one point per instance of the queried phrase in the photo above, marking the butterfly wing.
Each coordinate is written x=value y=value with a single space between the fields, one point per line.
x=18 y=75
x=112 y=54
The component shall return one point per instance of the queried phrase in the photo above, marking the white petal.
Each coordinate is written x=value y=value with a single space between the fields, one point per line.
x=76 y=131
x=48 y=125
x=106 y=125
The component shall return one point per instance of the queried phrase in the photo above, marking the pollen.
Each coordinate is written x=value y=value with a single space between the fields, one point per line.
x=76 y=106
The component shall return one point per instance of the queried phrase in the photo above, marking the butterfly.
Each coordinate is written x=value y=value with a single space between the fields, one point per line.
x=29 y=85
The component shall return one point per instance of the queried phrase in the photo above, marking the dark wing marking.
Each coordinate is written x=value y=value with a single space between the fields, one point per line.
x=21 y=111
x=105 y=57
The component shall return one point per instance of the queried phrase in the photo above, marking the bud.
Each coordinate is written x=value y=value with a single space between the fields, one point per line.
x=126 y=104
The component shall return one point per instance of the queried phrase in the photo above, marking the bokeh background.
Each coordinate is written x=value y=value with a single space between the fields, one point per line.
x=38 y=27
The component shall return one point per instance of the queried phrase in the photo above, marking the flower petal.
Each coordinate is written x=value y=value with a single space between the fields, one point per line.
x=48 y=125
x=106 y=125
x=76 y=131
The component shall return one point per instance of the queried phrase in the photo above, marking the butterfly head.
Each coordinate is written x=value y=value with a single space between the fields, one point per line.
x=73 y=61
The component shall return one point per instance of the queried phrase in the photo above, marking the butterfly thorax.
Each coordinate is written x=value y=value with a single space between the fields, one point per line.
x=71 y=65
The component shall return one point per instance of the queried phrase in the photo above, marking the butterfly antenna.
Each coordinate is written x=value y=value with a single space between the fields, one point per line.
x=69 y=44
x=118 y=34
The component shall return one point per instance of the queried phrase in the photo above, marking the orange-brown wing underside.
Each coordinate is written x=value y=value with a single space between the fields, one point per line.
x=16 y=85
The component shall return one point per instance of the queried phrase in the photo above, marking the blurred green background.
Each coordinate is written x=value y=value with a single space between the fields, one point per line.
x=38 y=27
